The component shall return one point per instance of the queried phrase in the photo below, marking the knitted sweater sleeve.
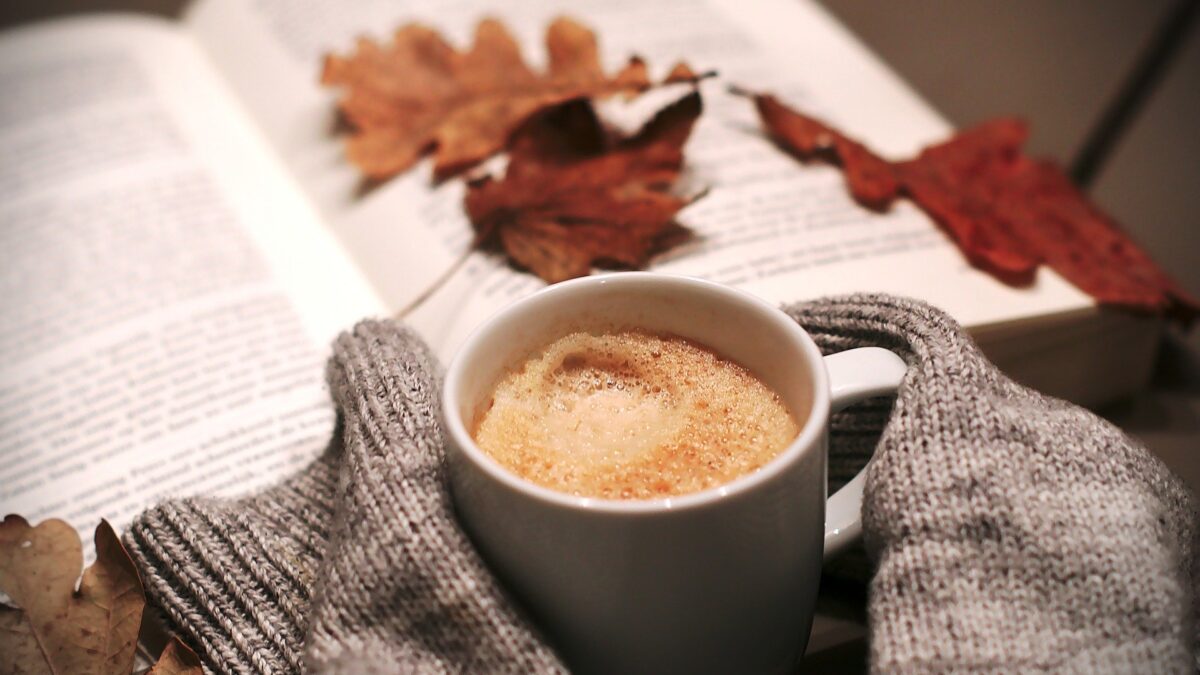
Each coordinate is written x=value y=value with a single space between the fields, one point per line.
x=1010 y=531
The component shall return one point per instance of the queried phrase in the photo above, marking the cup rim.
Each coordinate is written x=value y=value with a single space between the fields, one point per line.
x=806 y=440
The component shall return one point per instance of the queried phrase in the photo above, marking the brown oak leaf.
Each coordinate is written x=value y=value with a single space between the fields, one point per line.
x=1008 y=213
x=573 y=196
x=417 y=93
x=54 y=628
x=177 y=659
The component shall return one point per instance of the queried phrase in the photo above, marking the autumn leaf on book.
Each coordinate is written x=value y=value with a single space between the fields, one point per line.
x=57 y=629
x=418 y=94
x=574 y=196
x=1008 y=213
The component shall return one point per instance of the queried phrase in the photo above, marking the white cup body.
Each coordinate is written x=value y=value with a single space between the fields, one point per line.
x=718 y=581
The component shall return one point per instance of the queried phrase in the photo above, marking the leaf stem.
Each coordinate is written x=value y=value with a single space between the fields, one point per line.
x=740 y=91
x=437 y=283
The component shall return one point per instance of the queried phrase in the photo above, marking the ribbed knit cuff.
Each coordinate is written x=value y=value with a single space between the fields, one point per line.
x=233 y=578
x=401 y=584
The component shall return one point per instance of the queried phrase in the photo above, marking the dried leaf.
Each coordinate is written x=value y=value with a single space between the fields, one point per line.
x=870 y=179
x=177 y=659
x=959 y=184
x=419 y=94
x=572 y=197
x=54 y=628
x=1044 y=217
x=1007 y=213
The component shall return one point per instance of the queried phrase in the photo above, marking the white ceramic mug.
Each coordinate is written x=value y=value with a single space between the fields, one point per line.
x=719 y=581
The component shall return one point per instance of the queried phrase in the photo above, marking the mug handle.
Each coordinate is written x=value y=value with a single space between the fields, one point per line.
x=854 y=375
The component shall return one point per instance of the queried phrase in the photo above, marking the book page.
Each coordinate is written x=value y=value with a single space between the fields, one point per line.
x=769 y=225
x=168 y=291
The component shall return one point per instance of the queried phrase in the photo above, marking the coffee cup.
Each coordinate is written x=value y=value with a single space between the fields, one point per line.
x=721 y=580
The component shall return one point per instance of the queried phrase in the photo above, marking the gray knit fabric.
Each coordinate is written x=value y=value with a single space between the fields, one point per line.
x=354 y=566
x=1010 y=532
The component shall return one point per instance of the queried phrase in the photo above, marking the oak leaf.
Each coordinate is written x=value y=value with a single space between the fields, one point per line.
x=1008 y=213
x=54 y=628
x=177 y=659
x=573 y=196
x=417 y=93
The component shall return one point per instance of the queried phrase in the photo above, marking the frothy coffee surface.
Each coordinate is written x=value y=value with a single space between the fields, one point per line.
x=632 y=415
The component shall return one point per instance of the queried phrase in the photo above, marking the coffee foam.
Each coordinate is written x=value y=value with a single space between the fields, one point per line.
x=632 y=415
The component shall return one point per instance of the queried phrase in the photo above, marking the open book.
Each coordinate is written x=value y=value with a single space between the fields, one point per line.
x=183 y=236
